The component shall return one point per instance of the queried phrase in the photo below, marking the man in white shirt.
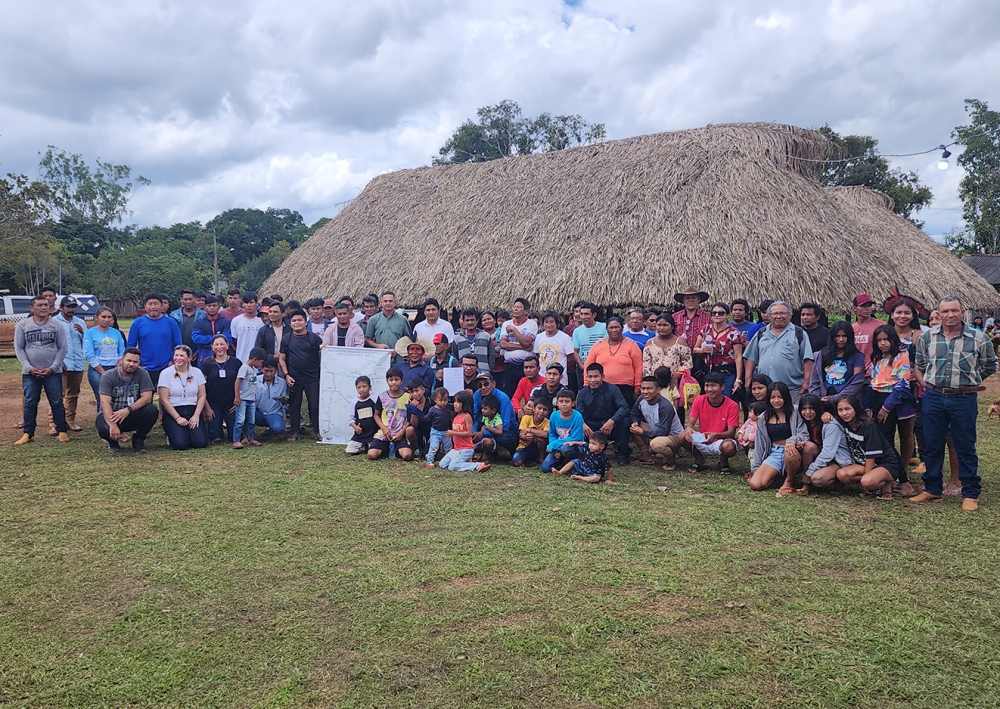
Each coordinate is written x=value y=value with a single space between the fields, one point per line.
x=517 y=343
x=433 y=325
x=244 y=327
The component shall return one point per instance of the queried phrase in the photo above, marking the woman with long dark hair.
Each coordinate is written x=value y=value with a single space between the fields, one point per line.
x=904 y=315
x=722 y=346
x=838 y=369
x=874 y=463
x=891 y=400
x=775 y=455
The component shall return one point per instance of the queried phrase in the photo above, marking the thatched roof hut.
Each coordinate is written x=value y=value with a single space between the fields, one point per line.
x=625 y=222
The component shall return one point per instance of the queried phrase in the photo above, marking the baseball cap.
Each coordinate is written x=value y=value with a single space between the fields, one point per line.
x=439 y=338
x=484 y=375
x=68 y=300
x=863 y=299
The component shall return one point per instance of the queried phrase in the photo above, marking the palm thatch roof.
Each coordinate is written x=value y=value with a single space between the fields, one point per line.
x=628 y=222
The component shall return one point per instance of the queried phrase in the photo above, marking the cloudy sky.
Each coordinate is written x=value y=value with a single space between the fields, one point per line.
x=298 y=104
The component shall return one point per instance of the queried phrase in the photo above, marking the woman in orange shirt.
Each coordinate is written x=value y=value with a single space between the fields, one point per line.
x=621 y=359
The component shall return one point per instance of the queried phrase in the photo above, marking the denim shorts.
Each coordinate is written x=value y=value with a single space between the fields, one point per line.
x=776 y=458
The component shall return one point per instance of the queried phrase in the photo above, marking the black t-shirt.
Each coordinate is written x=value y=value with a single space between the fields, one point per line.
x=219 y=381
x=868 y=442
x=301 y=355
x=187 y=327
x=364 y=416
x=819 y=336
x=341 y=336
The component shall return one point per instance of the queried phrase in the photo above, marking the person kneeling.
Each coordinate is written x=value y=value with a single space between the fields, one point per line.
x=716 y=417
x=272 y=398
x=874 y=463
x=774 y=451
x=460 y=434
x=391 y=417
x=655 y=427
x=594 y=464
x=126 y=403
x=182 y=398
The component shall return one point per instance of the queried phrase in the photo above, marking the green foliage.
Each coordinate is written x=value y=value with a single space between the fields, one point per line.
x=75 y=192
x=130 y=272
x=961 y=242
x=250 y=233
x=865 y=167
x=502 y=131
x=980 y=188
x=251 y=275
x=23 y=212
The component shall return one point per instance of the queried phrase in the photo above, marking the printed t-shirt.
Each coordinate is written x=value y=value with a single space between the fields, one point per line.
x=529 y=422
x=244 y=331
x=885 y=374
x=393 y=412
x=864 y=334
x=248 y=387
x=593 y=464
x=529 y=328
x=715 y=419
x=124 y=392
x=183 y=386
x=364 y=416
x=585 y=337
x=866 y=442
x=554 y=350
x=463 y=423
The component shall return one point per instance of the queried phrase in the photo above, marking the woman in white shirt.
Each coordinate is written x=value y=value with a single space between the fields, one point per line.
x=182 y=398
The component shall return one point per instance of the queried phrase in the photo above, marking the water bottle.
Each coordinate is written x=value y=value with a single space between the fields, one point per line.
x=392 y=450
x=708 y=339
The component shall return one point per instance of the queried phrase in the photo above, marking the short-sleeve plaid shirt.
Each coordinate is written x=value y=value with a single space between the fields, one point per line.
x=689 y=328
x=957 y=363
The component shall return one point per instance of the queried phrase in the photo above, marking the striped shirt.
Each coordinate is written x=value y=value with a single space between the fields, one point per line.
x=962 y=361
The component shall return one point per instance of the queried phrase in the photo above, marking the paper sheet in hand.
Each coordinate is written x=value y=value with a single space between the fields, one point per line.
x=453 y=380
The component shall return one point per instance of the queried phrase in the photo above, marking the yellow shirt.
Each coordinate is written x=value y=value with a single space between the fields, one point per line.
x=529 y=422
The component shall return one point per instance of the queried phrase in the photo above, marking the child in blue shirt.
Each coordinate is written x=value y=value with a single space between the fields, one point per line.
x=565 y=428
x=246 y=398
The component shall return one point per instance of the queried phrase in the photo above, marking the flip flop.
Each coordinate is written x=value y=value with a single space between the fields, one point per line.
x=786 y=490
x=697 y=468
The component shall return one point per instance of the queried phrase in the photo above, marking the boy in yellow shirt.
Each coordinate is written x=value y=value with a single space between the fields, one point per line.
x=533 y=431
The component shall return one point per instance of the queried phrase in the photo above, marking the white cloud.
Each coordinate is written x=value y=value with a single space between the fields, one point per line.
x=299 y=104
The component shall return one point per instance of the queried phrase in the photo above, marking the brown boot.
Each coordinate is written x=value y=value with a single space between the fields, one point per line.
x=970 y=505
x=25 y=438
x=925 y=497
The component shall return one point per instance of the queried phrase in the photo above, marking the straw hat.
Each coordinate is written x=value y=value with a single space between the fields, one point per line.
x=691 y=290
x=403 y=344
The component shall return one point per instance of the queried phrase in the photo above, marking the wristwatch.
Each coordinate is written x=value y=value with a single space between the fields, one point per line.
x=130 y=410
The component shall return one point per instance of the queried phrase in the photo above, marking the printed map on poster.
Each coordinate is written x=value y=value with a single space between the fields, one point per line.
x=339 y=368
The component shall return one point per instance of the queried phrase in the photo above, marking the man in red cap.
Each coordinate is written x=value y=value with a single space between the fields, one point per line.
x=864 y=328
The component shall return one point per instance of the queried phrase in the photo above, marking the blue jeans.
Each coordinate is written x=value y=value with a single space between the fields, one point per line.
x=568 y=453
x=33 y=386
x=458 y=460
x=222 y=416
x=94 y=379
x=438 y=441
x=528 y=454
x=180 y=437
x=246 y=415
x=275 y=421
x=953 y=414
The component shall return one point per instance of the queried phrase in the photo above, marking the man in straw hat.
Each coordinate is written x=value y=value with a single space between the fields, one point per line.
x=692 y=319
x=413 y=365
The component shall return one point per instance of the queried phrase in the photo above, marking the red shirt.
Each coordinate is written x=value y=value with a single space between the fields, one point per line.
x=715 y=419
x=688 y=328
x=523 y=392
x=864 y=337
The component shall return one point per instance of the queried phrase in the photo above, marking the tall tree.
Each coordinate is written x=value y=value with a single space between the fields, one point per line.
x=503 y=130
x=249 y=233
x=74 y=191
x=980 y=188
x=859 y=163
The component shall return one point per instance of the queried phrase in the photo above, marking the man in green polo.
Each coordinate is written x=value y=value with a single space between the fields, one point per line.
x=387 y=327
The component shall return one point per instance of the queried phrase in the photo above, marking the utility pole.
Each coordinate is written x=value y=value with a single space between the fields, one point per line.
x=215 y=251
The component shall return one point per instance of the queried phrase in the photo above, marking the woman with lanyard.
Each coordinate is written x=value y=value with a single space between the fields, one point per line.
x=220 y=372
x=103 y=346
x=904 y=314
x=666 y=350
x=722 y=345
x=621 y=359
x=182 y=398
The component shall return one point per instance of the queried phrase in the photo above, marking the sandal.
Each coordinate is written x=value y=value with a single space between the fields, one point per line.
x=884 y=493
x=803 y=491
x=786 y=490
x=725 y=470
x=254 y=442
x=483 y=467
x=697 y=468
x=237 y=445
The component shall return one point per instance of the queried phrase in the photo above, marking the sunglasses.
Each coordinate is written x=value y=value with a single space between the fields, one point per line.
x=719 y=312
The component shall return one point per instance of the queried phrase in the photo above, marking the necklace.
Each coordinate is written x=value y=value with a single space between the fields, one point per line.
x=615 y=351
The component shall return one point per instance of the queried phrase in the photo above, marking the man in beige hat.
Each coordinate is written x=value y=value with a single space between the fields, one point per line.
x=688 y=323
x=413 y=366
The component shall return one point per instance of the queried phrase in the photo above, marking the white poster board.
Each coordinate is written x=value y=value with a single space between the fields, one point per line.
x=339 y=368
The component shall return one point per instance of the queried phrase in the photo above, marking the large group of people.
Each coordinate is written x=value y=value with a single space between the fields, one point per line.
x=821 y=403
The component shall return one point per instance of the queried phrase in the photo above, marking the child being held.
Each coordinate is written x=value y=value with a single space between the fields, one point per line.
x=362 y=418
x=594 y=464
x=440 y=416
x=748 y=431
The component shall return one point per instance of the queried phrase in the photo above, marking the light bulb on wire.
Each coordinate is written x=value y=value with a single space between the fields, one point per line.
x=943 y=162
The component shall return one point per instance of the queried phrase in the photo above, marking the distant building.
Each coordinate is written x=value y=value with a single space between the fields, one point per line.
x=987 y=266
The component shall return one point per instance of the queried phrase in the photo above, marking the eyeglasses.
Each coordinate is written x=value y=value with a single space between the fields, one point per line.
x=719 y=312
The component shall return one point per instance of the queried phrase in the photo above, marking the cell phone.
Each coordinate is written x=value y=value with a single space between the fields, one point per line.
x=283 y=399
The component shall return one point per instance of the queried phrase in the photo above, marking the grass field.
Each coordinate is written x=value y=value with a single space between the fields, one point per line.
x=290 y=576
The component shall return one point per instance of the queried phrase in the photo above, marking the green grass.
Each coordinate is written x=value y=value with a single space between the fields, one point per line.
x=290 y=576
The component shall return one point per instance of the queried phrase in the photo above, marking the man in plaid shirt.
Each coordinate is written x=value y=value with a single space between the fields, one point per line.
x=690 y=321
x=952 y=360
